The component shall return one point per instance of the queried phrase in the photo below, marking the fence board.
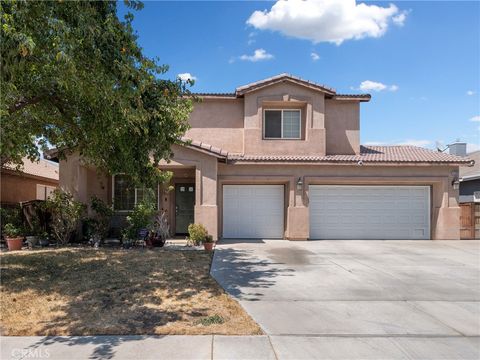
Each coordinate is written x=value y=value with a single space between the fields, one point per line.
x=469 y=221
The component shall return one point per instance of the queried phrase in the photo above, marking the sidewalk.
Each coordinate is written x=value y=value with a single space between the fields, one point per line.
x=237 y=347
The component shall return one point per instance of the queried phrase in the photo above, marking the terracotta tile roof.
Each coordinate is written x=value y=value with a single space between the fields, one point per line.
x=213 y=94
x=43 y=168
x=198 y=145
x=361 y=97
x=368 y=154
x=279 y=78
x=242 y=90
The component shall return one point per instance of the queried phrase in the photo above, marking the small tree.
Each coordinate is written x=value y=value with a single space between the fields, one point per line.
x=66 y=215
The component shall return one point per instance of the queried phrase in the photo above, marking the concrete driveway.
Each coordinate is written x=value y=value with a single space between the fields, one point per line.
x=358 y=299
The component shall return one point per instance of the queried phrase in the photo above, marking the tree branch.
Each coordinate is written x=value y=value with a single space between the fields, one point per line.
x=25 y=102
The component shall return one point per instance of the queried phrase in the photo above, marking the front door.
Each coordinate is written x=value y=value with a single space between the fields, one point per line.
x=184 y=207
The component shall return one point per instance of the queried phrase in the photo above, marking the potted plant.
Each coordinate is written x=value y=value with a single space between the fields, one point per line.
x=14 y=236
x=208 y=243
x=197 y=233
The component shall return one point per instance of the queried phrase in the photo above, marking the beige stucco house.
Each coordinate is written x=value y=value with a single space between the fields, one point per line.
x=281 y=158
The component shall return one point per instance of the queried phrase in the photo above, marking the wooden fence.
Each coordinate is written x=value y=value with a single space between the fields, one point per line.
x=470 y=221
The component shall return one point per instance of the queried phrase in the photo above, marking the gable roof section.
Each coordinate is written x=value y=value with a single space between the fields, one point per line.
x=281 y=78
x=42 y=168
x=257 y=85
x=368 y=155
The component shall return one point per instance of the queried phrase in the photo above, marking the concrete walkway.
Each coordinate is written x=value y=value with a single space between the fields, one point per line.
x=237 y=347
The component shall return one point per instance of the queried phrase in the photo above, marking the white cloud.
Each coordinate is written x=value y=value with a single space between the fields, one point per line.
x=331 y=21
x=470 y=92
x=475 y=118
x=186 y=76
x=369 y=85
x=258 y=55
x=314 y=56
x=399 y=19
x=412 y=142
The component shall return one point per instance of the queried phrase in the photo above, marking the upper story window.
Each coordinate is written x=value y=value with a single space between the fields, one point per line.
x=126 y=195
x=282 y=124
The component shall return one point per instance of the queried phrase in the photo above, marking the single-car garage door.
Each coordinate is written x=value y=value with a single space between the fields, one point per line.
x=369 y=212
x=253 y=211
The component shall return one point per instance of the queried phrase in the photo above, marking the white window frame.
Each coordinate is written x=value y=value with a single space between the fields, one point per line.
x=281 y=134
x=135 y=202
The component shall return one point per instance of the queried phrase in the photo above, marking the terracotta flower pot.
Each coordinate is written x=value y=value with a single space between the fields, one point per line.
x=208 y=246
x=15 y=243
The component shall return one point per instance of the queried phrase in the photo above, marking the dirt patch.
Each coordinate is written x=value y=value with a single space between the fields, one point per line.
x=94 y=292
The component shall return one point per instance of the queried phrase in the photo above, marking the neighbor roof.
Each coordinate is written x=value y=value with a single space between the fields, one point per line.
x=42 y=168
x=472 y=172
x=368 y=155
x=330 y=92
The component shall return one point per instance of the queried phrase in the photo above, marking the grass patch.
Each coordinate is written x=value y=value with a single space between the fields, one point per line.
x=115 y=292
x=211 y=320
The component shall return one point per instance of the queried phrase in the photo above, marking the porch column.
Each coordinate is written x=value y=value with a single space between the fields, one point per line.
x=206 y=209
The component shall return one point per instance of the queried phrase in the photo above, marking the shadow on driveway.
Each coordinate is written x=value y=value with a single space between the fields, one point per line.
x=240 y=272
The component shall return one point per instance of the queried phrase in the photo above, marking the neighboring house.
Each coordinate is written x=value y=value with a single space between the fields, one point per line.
x=281 y=158
x=35 y=181
x=470 y=180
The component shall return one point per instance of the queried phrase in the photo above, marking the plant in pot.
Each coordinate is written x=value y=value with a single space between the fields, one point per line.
x=208 y=243
x=14 y=236
x=199 y=235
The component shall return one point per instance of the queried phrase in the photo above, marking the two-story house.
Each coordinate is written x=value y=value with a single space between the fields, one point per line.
x=281 y=158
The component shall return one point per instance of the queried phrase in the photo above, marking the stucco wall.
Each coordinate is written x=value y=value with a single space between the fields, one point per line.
x=219 y=123
x=236 y=125
x=285 y=95
x=342 y=124
x=18 y=187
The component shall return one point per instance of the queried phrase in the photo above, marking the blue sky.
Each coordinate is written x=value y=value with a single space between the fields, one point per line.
x=419 y=60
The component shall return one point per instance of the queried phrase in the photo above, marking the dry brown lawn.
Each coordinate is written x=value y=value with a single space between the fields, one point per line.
x=91 y=292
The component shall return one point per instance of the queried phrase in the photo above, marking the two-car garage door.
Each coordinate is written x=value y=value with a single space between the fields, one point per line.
x=369 y=212
x=335 y=212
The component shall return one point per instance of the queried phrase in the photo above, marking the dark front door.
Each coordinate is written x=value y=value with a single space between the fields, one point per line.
x=184 y=207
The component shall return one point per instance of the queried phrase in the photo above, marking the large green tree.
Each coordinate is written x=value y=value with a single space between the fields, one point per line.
x=74 y=76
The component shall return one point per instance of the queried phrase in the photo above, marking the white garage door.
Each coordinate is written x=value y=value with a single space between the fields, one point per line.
x=369 y=212
x=253 y=211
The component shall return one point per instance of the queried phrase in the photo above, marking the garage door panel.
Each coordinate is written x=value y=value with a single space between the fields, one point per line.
x=253 y=211
x=369 y=212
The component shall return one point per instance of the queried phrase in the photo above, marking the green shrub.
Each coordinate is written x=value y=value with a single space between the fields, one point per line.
x=11 y=215
x=208 y=239
x=197 y=233
x=100 y=221
x=66 y=215
x=142 y=217
x=12 y=231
